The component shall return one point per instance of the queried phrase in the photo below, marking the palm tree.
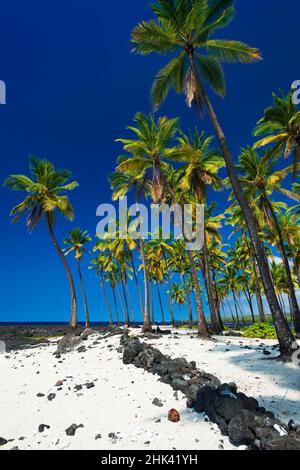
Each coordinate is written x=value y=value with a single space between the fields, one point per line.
x=236 y=219
x=100 y=264
x=200 y=170
x=281 y=125
x=76 y=240
x=178 y=297
x=148 y=151
x=46 y=193
x=144 y=170
x=179 y=261
x=187 y=26
x=261 y=181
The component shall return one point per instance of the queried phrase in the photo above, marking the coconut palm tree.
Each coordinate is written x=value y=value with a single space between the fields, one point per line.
x=101 y=265
x=236 y=219
x=46 y=190
x=260 y=180
x=148 y=151
x=76 y=240
x=281 y=125
x=186 y=28
x=200 y=169
x=178 y=297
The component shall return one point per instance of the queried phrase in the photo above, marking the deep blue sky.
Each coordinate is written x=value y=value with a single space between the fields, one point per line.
x=72 y=88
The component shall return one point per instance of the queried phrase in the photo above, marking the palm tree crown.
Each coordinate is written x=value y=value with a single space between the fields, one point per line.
x=185 y=28
x=46 y=192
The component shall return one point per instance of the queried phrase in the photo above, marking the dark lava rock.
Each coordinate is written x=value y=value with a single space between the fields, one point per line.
x=51 y=396
x=266 y=353
x=3 y=441
x=98 y=436
x=82 y=349
x=59 y=383
x=90 y=385
x=42 y=427
x=70 y=431
x=39 y=395
x=157 y=402
x=78 y=387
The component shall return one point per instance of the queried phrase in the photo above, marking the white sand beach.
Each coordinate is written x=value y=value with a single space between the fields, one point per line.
x=116 y=408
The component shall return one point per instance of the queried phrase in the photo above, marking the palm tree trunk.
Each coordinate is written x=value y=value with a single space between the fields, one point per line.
x=127 y=318
x=216 y=328
x=284 y=334
x=161 y=306
x=236 y=310
x=202 y=325
x=111 y=322
x=73 y=318
x=188 y=298
x=147 y=324
x=231 y=312
x=170 y=302
x=129 y=301
x=216 y=299
x=86 y=308
x=122 y=303
x=137 y=285
x=260 y=305
x=152 y=303
x=116 y=307
x=249 y=300
x=295 y=312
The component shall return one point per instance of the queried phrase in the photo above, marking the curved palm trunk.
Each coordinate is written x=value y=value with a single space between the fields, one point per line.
x=86 y=308
x=202 y=325
x=284 y=334
x=116 y=307
x=111 y=322
x=161 y=306
x=295 y=312
x=73 y=318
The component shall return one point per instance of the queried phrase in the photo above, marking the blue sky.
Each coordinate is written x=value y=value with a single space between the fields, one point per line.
x=72 y=88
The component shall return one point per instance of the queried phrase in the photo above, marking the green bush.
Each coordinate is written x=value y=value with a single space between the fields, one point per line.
x=260 y=330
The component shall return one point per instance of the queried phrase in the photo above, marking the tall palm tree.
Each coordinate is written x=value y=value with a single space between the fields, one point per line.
x=259 y=179
x=144 y=170
x=236 y=219
x=100 y=264
x=185 y=27
x=281 y=125
x=76 y=240
x=200 y=169
x=46 y=193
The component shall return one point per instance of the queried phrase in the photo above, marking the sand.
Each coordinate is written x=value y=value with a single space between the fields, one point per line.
x=117 y=412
